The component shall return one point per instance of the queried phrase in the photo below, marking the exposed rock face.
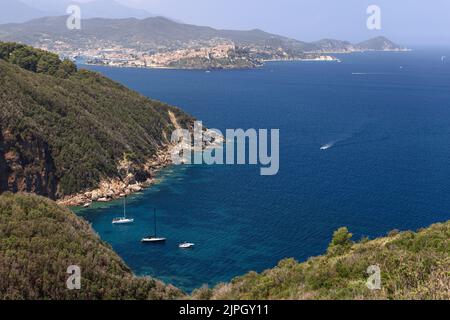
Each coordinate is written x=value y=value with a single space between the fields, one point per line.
x=132 y=178
x=26 y=165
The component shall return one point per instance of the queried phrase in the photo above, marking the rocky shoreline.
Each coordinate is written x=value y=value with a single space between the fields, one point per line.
x=116 y=188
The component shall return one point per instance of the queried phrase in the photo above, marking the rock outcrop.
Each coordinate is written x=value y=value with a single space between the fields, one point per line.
x=26 y=165
x=131 y=179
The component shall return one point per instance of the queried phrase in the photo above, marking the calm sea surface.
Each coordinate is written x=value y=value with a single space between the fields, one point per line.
x=387 y=117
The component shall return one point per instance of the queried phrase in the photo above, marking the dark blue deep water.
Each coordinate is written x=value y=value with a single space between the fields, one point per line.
x=387 y=116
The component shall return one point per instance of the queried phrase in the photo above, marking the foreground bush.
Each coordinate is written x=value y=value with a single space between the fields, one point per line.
x=39 y=240
x=413 y=266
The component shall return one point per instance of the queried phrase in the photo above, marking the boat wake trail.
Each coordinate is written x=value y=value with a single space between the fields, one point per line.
x=327 y=146
x=333 y=143
x=341 y=143
x=358 y=137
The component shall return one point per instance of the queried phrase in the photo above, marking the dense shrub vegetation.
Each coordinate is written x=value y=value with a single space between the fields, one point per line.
x=39 y=240
x=414 y=265
x=86 y=121
x=36 y=60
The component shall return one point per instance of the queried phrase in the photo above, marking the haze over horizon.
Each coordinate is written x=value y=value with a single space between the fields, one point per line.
x=411 y=22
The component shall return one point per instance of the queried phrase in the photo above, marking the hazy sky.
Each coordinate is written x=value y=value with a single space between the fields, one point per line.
x=405 y=21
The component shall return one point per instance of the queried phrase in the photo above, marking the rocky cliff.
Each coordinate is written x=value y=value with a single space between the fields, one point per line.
x=26 y=165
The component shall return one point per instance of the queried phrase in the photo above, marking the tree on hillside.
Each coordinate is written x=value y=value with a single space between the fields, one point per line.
x=341 y=241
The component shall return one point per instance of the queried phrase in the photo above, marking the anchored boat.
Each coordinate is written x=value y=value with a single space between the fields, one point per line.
x=186 y=245
x=124 y=219
x=153 y=238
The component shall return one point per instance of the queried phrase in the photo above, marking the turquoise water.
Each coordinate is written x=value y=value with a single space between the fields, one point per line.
x=387 y=116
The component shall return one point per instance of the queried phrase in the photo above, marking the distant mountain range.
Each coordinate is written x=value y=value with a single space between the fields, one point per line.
x=17 y=11
x=161 y=42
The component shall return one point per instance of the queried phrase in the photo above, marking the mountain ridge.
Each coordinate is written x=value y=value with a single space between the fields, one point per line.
x=18 y=11
x=161 y=42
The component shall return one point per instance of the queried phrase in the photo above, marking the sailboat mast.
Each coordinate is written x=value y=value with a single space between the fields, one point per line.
x=125 y=207
x=154 y=216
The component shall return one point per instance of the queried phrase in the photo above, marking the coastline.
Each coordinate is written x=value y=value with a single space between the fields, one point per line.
x=333 y=59
x=116 y=188
x=323 y=57
x=172 y=68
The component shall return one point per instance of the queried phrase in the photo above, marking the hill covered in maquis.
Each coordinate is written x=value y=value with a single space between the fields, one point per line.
x=39 y=240
x=63 y=130
x=413 y=265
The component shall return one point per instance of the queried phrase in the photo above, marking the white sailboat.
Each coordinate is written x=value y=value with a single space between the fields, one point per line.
x=153 y=238
x=124 y=219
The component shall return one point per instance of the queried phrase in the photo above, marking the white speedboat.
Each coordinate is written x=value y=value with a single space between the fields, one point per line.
x=124 y=219
x=154 y=238
x=326 y=146
x=186 y=245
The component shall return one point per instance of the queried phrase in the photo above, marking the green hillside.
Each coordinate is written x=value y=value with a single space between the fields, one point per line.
x=63 y=130
x=40 y=240
x=413 y=265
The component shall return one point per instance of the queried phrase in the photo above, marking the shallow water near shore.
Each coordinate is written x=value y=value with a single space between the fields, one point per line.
x=384 y=117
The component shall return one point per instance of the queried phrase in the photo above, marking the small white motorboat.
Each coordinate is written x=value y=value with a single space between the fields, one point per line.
x=326 y=146
x=186 y=245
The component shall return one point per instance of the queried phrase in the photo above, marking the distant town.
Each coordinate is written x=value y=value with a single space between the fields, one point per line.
x=226 y=55
x=162 y=43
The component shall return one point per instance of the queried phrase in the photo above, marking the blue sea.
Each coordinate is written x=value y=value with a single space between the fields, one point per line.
x=386 y=117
